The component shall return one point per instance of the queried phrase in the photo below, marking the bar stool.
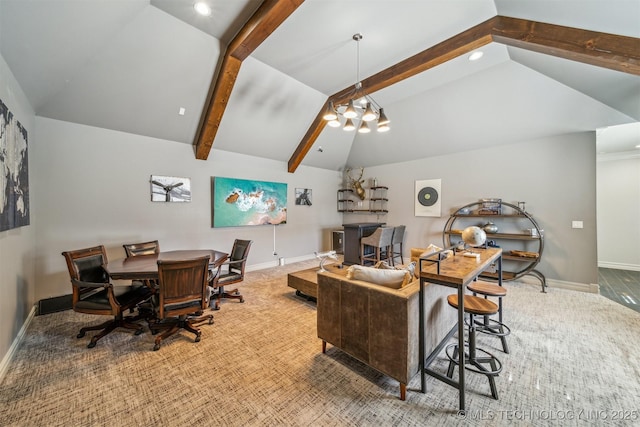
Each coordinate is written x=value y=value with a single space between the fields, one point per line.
x=473 y=361
x=491 y=326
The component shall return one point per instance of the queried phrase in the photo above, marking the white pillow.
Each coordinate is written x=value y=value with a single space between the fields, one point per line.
x=394 y=279
x=408 y=267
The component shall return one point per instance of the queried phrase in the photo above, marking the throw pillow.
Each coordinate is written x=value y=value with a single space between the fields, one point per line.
x=389 y=278
x=408 y=267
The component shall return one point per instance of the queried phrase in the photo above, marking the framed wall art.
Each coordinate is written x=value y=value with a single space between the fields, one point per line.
x=428 y=199
x=303 y=196
x=14 y=172
x=170 y=189
x=242 y=202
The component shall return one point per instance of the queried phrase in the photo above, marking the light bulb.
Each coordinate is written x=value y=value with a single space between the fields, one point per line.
x=364 y=128
x=202 y=8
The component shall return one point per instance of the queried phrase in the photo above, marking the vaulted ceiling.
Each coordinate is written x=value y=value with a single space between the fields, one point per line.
x=132 y=65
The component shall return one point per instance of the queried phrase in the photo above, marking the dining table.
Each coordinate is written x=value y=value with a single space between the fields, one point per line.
x=145 y=267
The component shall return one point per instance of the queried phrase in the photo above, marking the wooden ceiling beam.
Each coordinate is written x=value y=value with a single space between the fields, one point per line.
x=262 y=23
x=604 y=50
x=457 y=45
x=610 y=51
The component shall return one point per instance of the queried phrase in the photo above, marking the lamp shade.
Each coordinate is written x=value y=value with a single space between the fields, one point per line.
x=350 y=112
x=369 y=114
x=330 y=112
x=349 y=126
x=364 y=127
x=382 y=120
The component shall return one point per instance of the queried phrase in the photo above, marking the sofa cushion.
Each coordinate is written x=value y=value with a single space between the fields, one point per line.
x=394 y=279
x=407 y=267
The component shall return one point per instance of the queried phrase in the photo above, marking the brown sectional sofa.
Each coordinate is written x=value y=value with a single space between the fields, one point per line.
x=379 y=325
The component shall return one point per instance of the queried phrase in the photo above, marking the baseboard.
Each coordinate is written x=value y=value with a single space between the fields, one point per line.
x=592 y=288
x=619 y=266
x=276 y=262
x=6 y=360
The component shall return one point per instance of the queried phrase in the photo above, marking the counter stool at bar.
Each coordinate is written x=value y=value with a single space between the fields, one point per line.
x=487 y=325
x=475 y=357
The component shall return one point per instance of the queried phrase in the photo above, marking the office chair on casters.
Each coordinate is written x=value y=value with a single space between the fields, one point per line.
x=182 y=291
x=94 y=294
x=231 y=271
x=145 y=248
x=139 y=249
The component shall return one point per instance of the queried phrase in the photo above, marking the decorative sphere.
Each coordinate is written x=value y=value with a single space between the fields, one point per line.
x=474 y=236
x=490 y=227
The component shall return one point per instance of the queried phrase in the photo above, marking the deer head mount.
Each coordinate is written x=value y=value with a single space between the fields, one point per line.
x=356 y=184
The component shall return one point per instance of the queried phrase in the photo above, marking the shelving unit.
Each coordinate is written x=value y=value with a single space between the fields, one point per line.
x=348 y=201
x=522 y=251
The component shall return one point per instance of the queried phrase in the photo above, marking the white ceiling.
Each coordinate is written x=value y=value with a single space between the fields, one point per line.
x=130 y=65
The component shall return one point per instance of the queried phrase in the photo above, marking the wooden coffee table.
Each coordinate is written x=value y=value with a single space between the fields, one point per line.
x=305 y=282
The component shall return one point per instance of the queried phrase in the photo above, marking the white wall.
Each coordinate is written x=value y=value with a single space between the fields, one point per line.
x=555 y=177
x=17 y=282
x=94 y=189
x=618 y=191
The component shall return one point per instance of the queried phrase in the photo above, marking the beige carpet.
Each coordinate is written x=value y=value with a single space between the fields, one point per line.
x=574 y=361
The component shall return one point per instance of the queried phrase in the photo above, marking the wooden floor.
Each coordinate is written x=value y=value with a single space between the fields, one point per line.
x=621 y=286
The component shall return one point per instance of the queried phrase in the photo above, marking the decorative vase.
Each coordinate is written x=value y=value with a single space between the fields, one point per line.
x=490 y=227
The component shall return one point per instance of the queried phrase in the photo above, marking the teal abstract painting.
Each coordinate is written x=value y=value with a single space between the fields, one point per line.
x=242 y=202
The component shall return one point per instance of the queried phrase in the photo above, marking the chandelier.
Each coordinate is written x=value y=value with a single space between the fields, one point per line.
x=360 y=106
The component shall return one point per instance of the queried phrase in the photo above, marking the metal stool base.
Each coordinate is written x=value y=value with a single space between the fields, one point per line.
x=496 y=366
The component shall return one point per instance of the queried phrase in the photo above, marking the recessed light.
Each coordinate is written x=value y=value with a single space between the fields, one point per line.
x=202 y=8
x=476 y=55
x=638 y=146
x=181 y=111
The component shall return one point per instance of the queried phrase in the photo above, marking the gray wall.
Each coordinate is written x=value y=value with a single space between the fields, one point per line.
x=95 y=190
x=618 y=191
x=17 y=284
x=554 y=176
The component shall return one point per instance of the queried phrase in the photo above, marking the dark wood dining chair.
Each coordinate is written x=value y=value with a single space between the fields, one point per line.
x=94 y=294
x=144 y=248
x=230 y=272
x=139 y=249
x=182 y=291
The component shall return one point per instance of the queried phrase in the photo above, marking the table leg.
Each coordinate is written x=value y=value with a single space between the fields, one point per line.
x=421 y=350
x=461 y=356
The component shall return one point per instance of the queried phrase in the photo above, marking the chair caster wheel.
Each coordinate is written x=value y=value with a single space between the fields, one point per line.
x=241 y=299
x=91 y=344
x=156 y=347
x=80 y=335
x=198 y=338
x=139 y=331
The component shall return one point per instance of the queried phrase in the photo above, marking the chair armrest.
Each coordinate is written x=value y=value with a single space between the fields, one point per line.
x=82 y=284
x=237 y=261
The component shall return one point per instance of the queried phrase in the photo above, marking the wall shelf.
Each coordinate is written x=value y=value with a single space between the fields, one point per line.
x=376 y=203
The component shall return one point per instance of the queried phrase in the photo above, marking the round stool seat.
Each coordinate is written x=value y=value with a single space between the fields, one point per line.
x=486 y=288
x=474 y=305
